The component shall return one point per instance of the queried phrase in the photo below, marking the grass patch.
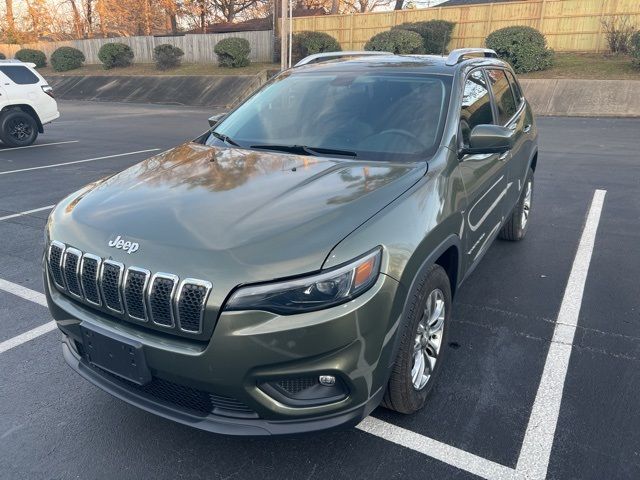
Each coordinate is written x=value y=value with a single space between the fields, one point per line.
x=150 y=69
x=592 y=66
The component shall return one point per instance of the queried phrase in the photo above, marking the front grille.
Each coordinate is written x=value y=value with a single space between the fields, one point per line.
x=161 y=299
x=296 y=385
x=135 y=286
x=132 y=292
x=110 y=283
x=56 y=249
x=191 y=301
x=198 y=402
x=70 y=269
x=89 y=278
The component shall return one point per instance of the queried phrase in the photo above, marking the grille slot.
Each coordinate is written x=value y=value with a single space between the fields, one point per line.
x=161 y=293
x=70 y=269
x=56 y=250
x=196 y=401
x=135 y=286
x=110 y=284
x=191 y=302
x=296 y=385
x=89 y=268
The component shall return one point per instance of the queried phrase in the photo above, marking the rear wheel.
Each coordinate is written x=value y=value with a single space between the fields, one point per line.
x=517 y=224
x=18 y=128
x=422 y=343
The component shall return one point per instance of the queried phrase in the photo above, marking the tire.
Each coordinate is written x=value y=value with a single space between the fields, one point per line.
x=406 y=392
x=516 y=226
x=18 y=128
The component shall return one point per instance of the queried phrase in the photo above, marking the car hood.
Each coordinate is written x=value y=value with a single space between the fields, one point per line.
x=227 y=215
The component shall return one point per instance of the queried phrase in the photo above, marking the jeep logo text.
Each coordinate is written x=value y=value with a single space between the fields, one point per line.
x=128 y=247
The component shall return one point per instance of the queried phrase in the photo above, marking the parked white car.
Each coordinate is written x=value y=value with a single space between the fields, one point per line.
x=26 y=103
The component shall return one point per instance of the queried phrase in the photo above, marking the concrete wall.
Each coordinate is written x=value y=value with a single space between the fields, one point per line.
x=201 y=90
x=584 y=98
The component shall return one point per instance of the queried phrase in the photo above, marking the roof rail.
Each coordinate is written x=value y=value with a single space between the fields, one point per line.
x=458 y=55
x=318 y=57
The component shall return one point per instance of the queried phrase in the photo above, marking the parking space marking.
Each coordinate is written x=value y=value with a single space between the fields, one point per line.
x=36 y=146
x=79 y=161
x=32 y=296
x=27 y=212
x=538 y=440
x=440 y=451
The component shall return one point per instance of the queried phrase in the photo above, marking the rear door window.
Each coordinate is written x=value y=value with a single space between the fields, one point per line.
x=515 y=86
x=476 y=105
x=503 y=95
x=19 y=74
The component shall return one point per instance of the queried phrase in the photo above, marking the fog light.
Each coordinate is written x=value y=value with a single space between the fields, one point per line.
x=327 y=380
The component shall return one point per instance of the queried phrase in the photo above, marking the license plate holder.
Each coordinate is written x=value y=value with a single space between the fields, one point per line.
x=116 y=354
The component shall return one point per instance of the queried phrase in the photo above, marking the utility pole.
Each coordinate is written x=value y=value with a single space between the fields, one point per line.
x=283 y=35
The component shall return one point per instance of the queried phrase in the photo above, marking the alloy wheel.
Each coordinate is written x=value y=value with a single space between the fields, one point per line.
x=20 y=130
x=526 y=204
x=428 y=339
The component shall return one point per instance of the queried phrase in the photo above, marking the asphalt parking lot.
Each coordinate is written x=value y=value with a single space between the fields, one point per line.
x=542 y=376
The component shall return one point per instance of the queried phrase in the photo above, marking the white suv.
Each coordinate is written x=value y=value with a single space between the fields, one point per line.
x=26 y=103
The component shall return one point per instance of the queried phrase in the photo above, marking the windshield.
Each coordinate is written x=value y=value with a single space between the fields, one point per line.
x=372 y=116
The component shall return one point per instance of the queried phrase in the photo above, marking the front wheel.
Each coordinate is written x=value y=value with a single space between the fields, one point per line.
x=422 y=343
x=517 y=224
x=18 y=128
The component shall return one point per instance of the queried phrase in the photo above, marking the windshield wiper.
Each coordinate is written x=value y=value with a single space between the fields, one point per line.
x=224 y=138
x=304 y=150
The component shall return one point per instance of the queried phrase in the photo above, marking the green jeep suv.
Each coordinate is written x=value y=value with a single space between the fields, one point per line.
x=293 y=268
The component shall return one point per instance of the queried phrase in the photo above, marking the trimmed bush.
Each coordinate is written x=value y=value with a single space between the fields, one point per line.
x=525 y=48
x=32 y=56
x=309 y=43
x=634 y=49
x=436 y=34
x=115 y=55
x=233 y=52
x=396 y=41
x=66 y=58
x=167 y=56
x=2 y=56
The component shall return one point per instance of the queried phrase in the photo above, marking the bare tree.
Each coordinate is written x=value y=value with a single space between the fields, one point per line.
x=618 y=31
x=11 y=21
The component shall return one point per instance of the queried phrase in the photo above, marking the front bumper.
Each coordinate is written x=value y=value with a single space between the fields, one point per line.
x=354 y=342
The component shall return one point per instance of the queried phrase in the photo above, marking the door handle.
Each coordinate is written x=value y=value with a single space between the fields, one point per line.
x=504 y=156
x=527 y=128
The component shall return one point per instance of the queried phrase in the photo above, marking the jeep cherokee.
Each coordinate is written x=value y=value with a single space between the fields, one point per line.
x=294 y=267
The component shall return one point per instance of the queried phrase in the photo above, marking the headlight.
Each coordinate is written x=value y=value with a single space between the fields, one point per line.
x=315 y=292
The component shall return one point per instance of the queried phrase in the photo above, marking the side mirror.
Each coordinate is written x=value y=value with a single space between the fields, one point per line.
x=215 y=119
x=489 y=139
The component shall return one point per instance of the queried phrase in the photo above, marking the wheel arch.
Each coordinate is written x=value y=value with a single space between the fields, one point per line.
x=533 y=162
x=29 y=110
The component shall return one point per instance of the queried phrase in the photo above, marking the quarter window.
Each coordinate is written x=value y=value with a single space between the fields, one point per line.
x=476 y=105
x=515 y=86
x=505 y=101
x=19 y=74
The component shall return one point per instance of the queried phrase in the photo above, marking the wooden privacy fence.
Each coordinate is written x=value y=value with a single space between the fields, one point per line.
x=197 y=48
x=569 y=25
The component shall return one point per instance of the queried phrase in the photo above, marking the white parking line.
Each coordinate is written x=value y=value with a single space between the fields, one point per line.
x=538 y=440
x=32 y=296
x=78 y=161
x=9 y=150
x=440 y=451
x=27 y=212
x=536 y=448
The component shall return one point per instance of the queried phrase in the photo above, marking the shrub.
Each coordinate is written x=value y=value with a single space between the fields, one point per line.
x=233 y=52
x=2 y=56
x=634 y=49
x=167 y=56
x=618 y=32
x=309 y=43
x=33 y=56
x=66 y=58
x=436 y=34
x=525 y=48
x=115 y=55
x=396 y=41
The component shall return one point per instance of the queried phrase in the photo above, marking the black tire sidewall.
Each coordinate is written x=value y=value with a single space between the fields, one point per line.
x=402 y=395
x=12 y=115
